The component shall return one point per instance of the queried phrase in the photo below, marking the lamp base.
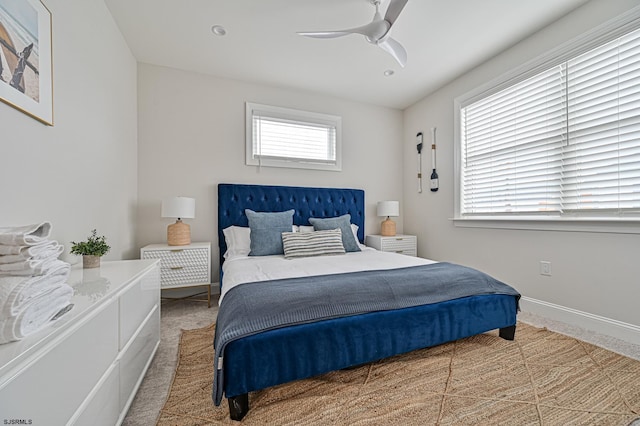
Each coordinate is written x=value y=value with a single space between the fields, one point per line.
x=178 y=234
x=388 y=228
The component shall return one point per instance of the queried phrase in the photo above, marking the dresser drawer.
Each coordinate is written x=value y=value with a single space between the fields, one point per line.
x=135 y=357
x=398 y=244
x=413 y=253
x=176 y=258
x=402 y=244
x=184 y=275
x=51 y=388
x=136 y=302
x=101 y=408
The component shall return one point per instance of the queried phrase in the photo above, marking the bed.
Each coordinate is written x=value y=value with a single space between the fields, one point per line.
x=256 y=358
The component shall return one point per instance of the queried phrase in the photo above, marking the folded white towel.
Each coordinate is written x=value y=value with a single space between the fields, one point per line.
x=36 y=315
x=16 y=292
x=49 y=250
x=27 y=235
x=28 y=251
x=27 y=268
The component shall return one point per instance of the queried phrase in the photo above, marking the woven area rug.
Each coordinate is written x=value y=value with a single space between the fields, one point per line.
x=541 y=378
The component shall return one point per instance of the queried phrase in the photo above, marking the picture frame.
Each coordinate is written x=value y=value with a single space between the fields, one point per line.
x=26 y=68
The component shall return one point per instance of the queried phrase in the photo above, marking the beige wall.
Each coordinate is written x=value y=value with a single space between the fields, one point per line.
x=591 y=272
x=81 y=173
x=191 y=137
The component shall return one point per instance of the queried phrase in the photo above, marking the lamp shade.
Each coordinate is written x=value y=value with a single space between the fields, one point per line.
x=388 y=208
x=180 y=207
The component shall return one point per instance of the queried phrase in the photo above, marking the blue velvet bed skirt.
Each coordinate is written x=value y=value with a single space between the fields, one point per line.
x=283 y=355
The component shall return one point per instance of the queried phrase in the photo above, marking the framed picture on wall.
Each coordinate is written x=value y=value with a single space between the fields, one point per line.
x=26 y=81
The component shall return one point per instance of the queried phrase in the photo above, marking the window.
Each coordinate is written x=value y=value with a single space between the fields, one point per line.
x=563 y=142
x=282 y=137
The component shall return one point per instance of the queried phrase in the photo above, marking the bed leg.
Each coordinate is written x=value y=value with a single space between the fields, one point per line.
x=238 y=406
x=508 y=333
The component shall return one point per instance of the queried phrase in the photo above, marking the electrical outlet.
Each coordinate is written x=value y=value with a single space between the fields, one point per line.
x=545 y=268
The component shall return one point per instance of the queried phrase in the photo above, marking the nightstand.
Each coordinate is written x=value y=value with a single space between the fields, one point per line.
x=182 y=266
x=403 y=244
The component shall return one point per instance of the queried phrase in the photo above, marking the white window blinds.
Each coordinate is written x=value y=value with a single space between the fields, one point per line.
x=563 y=142
x=512 y=155
x=283 y=137
x=602 y=159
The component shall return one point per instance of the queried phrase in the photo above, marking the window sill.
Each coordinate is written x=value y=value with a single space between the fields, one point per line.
x=294 y=165
x=593 y=224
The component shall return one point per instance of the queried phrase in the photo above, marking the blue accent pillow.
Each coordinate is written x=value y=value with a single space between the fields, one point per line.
x=341 y=222
x=266 y=231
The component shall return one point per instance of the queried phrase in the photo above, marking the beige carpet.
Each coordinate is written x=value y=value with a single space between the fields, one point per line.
x=541 y=378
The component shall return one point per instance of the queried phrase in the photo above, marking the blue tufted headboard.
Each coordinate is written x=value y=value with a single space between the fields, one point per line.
x=307 y=202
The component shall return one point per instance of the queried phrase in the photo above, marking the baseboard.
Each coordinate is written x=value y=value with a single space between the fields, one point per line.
x=596 y=323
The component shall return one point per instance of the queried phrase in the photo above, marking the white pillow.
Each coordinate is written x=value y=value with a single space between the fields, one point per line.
x=354 y=228
x=305 y=228
x=238 y=239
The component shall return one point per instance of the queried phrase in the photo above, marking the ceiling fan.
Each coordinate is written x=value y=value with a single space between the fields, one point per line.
x=376 y=32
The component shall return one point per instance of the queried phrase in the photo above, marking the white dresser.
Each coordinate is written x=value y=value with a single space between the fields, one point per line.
x=403 y=244
x=182 y=266
x=87 y=366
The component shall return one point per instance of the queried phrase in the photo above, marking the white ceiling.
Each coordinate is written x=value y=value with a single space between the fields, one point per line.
x=443 y=39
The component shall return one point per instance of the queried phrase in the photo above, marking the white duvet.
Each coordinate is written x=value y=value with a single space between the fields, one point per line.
x=244 y=269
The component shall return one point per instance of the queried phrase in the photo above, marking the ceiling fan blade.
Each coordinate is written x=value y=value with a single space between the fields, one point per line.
x=394 y=9
x=395 y=49
x=324 y=34
x=374 y=30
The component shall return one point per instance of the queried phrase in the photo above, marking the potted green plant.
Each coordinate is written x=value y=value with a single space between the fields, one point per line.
x=91 y=250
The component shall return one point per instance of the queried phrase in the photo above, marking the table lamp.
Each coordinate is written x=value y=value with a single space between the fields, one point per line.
x=388 y=209
x=179 y=233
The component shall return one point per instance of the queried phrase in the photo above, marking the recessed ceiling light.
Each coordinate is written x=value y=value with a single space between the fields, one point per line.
x=389 y=73
x=218 y=30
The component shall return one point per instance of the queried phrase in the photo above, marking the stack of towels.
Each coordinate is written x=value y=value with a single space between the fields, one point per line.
x=33 y=282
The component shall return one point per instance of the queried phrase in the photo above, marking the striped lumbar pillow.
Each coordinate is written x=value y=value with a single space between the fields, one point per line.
x=318 y=243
